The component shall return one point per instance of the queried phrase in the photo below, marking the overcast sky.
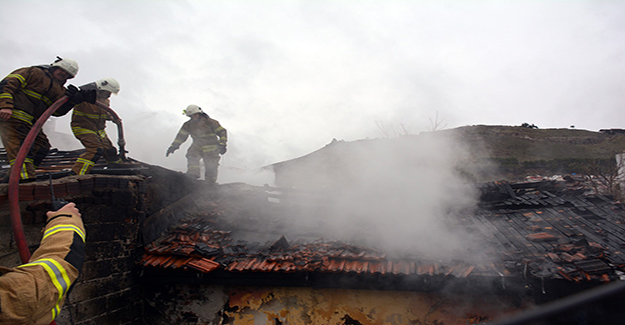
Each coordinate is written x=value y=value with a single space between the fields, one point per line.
x=286 y=77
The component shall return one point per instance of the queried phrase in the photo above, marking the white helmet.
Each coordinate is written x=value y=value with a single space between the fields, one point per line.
x=192 y=109
x=68 y=65
x=108 y=84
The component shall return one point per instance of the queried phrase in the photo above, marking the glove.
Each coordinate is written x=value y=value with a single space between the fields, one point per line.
x=222 y=149
x=77 y=96
x=170 y=150
x=89 y=95
x=72 y=92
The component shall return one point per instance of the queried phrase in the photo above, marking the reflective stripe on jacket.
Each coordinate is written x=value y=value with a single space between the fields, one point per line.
x=89 y=118
x=30 y=90
x=34 y=293
x=204 y=132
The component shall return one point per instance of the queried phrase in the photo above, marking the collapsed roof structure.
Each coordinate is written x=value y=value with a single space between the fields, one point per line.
x=536 y=229
x=543 y=240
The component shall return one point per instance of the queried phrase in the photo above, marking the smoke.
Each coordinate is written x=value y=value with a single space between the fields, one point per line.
x=403 y=195
x=285 y=78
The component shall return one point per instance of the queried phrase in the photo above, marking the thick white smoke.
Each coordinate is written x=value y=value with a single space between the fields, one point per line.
x=402 y=195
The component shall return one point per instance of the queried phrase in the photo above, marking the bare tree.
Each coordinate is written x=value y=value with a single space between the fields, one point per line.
x=604 y=176
x=391 y=132
x=436 y=124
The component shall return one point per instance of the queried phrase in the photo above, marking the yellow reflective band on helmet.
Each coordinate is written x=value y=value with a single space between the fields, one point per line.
x=58 y=276
x=22 y=116
x=59 y=228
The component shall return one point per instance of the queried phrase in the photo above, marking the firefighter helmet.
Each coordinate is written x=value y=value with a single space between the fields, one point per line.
x=192 y=109
x=108 y=84
x=68 y=65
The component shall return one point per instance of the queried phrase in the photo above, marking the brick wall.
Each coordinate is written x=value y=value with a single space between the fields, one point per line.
x=107 y=292
x=112 y=208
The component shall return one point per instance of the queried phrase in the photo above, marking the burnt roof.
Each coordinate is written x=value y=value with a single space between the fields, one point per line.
x=59 y=163
x=536 y=231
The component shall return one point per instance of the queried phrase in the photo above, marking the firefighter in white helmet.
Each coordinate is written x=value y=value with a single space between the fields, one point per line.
x=88 y=124
x=25 y=94
x=209 y=141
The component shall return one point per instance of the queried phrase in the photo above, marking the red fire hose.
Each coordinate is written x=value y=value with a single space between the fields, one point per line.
x=14 y=208
x=14 y=199
x=16 y=220
x=120 y=130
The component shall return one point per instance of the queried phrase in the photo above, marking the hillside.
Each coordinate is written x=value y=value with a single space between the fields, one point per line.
x=527 y=144
x=480 y=153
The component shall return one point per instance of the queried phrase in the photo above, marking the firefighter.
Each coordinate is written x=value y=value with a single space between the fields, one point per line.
x=25 y=94
x=88 y=123
x=205 y=132
x=33 y=293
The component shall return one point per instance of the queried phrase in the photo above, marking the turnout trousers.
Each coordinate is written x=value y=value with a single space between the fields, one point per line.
x=13 y=133
x=211 y=157
x=97 y=145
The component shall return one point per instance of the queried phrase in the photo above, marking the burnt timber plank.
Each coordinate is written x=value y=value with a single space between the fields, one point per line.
x=575 y=222
x=600 y=228
x=580 y=224
x=542 y=247
x=510 y=227
x=612 y=222
x=498 y=234
x=473 y=224
x=555 y=220
x=501 y=226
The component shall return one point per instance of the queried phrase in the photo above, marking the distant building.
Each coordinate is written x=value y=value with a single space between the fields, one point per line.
x=612 y=131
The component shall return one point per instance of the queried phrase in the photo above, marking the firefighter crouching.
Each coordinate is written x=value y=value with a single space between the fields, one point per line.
x=33 y=293
x=205 y=132
x=88 y=124
x=25 y=95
